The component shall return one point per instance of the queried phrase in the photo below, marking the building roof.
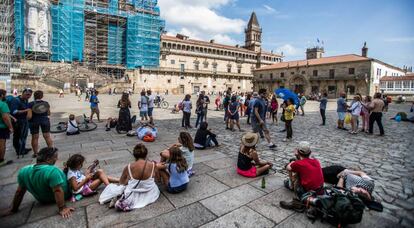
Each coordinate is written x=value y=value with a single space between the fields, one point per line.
x=398 y=78
x=253 y=21
x=319 y=61
x=212 y=44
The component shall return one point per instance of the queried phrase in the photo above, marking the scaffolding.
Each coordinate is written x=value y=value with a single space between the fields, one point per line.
x=6 y=42
x=106 y=36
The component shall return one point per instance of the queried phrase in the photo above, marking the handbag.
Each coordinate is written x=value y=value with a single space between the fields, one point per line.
x=122 y=204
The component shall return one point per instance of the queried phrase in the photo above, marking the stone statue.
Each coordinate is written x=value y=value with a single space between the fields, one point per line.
x=38 y=25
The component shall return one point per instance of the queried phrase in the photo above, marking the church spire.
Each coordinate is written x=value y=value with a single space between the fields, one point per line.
x=253 y=33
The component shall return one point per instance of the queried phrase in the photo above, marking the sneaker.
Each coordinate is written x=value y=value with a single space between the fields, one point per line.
x=4 y=163
x=294 y=205
x=272 y=146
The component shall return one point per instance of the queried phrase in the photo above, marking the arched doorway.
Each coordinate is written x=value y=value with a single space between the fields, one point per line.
x=298 y=84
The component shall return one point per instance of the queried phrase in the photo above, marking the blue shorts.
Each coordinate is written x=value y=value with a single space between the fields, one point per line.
x=177 y=189
x=341 y=116
x=150 y=111
x=143 y=113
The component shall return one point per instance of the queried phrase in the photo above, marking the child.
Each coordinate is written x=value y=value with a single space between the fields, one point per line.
x=185 y=144
x=85 y=184
x=72 y=126
x=174 y=173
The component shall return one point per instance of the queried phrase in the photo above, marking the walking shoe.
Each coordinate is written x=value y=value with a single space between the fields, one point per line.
x=294 y=205
x=272 y=146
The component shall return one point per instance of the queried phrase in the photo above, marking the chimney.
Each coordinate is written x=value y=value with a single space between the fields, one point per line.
x=365 y=50
x=212 y=41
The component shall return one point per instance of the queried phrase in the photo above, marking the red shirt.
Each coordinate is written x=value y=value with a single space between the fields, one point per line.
x=310 y=173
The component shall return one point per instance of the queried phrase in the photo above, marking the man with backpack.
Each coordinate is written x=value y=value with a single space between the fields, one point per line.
x=19 y=108
x=305 y=175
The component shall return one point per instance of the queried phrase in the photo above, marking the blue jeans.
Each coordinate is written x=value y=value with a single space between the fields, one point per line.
x=200 y=117
x=21 y=129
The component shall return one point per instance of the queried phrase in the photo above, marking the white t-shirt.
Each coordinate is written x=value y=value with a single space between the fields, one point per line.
x=72 y=128
x=356 y=108
x=144 y=104
x=151 y=101
x=78 y=176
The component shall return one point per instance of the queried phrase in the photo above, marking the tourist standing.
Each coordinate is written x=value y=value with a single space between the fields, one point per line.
x=341 y=110
x=322 y=107
x=20 y=111
x=376 y=108
x=366 y=113
x=143 y=106
x=199 y=109
x=233 y=113
x=187 y=106
x=355 y=110
x=205 y=105
x=302 y=104
x=274 y=105
x=251 y=109
x=259 y=117
x=150 y=106
x=242 y=100
x=226 y=102
x=5 y=127
x=94 y=103
x=289 y=112
x=124 y=117
x=40 y=119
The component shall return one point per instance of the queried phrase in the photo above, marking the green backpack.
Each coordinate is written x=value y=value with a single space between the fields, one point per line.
x=340 y=207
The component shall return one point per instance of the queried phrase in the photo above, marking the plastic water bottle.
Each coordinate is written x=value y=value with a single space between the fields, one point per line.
x=263 y=182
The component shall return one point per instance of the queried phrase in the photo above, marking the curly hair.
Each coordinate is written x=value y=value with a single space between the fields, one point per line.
x=176 y=156
x=187 y=140
x=73 y=162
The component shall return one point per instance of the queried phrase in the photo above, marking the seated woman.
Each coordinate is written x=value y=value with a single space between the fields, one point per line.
x=84 y=184
x=174 y=172
x=138 y=177
x=111 y=123
x=204 y=137
x=248 y=162
x=355 y=181
x=185 y=143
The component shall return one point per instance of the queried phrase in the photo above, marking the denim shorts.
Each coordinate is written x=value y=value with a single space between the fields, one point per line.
x=341 y=115
x=177 y=189
x=143 y=113
x=150 y=111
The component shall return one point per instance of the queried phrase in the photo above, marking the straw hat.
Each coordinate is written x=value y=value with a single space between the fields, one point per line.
x=304 y=148
x=250 y=139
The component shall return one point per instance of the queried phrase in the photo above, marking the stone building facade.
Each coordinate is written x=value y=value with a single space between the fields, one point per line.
x=189 y=66
x=335 y=74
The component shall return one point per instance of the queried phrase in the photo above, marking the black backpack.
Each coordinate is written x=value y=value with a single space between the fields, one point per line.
x=340 y=207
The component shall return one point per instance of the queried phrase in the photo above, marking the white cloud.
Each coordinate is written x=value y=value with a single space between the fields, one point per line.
x=289 y=50
x=199 y=19
x=400 y=39
x=270 y=9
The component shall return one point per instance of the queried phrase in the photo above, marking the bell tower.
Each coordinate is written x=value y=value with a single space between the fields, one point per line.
x=253 y=40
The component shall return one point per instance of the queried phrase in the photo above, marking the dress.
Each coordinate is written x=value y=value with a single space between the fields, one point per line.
x=145 y=193
x=124 y=118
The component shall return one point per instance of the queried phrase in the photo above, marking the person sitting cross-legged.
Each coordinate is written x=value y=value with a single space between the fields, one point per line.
x=248 y=162
x=305 y=175
x=204 y=137
x=46 y=182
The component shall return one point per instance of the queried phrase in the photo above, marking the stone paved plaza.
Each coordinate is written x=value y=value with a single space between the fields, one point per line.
x=217 y=196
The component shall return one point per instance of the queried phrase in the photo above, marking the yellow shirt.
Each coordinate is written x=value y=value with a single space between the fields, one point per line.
x=289 y=110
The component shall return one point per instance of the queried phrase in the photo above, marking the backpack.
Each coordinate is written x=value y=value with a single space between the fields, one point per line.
x=340 y=207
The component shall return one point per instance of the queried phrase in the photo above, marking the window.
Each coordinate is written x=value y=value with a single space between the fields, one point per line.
x=331 y=73
x=398 y=85
x=406 y=85
x=239 y=68
x=169 y=81
x=196 y=66
x=214 y=87
x=292 y=73
x=271 y=75
x=303 y=72
x=215 y=68
x=261 y=76
x=282 y=74
x=228 y=68
x=182 y=67
x=163 y=57
x=350 y=89
x=172 y=61
x=238 y=87
x=390 y=85
x=332 y=89
x=378 y=72
x=383 y=85
x=205 y=64
x=315 y=72
x=412 y=85
x=351 y=70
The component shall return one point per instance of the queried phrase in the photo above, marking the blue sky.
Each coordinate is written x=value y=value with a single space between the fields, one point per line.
x=292 y=25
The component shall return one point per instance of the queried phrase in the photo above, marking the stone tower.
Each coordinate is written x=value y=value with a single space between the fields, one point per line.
x=253 y=33
x=365 y=50
x=314 y=53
